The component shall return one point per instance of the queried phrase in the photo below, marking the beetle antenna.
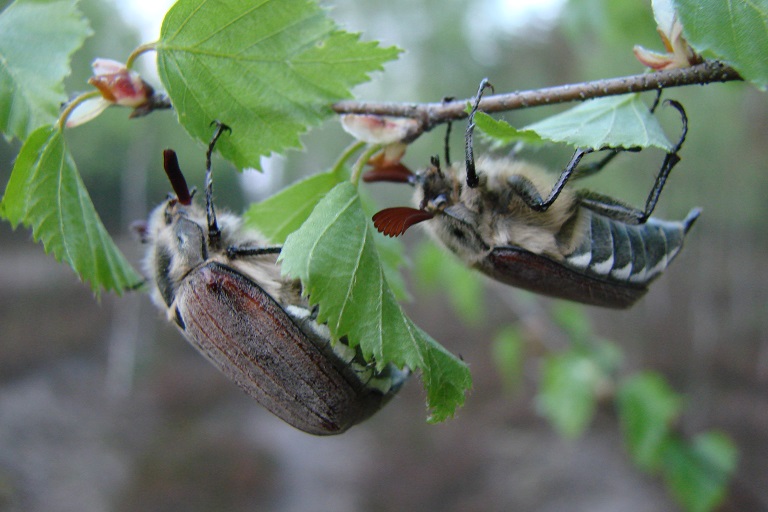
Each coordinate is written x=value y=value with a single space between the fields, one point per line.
x=214 y=233
x=176 y=177
x=469 y=157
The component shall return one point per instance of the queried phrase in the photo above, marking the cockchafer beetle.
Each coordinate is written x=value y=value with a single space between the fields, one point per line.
x=221 y=285
x=574 y=245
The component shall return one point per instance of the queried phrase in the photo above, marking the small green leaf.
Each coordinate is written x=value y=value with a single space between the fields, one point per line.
x=268 y=69
x=439 y=270
x=647 y=409
x=392 y=260
x=391 y=252
x=37 y=39
x=736 y=32
x=333 y=254
x=698 y=473
x=502 y=133
x=612 y=122
x=283 y=213
x=46 y=192
x=568 y=391
x=509 y=354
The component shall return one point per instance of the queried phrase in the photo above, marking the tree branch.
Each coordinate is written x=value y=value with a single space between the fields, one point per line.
x=430 y=115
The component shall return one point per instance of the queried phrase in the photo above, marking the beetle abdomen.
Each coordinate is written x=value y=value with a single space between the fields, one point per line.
x=523 y=269
x=250 y=338
x=610 y=268
x=629 y=253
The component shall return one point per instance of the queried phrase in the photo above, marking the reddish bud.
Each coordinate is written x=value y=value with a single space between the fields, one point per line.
x=119 y=85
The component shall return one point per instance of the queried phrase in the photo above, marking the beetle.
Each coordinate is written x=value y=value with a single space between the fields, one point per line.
x=575 y=245
x=221 y=285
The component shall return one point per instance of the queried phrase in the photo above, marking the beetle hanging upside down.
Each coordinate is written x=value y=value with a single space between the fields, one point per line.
x=223 y=289
x=575 y=245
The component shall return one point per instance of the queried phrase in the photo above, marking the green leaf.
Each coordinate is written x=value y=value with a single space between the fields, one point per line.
x=438 y=270
x=283 y=213
x=392 y=260
x=568 y=391
x=509 y=354
x=334 y=256
x=502 y=133
x=647 y=409
x=45 y=192
x=391 y=252
x=612 y=122
x=268 y=69
x=37 y=38
x=736 y=32
x=698 y=473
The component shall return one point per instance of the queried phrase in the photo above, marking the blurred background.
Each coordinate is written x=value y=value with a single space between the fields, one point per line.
x=103 y=405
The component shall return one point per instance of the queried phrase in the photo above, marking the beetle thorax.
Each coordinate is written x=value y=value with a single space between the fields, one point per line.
x=179 y=237
x=473 y=220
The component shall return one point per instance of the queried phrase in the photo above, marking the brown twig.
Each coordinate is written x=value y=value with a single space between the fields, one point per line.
x=430 y=115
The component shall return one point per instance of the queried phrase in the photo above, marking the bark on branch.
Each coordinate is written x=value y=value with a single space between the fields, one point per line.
x=430 y=115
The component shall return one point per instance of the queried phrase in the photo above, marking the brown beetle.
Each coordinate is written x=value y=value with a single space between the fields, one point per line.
x=222 y=287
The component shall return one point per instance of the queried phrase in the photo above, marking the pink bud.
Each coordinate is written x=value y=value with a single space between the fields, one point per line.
x=679 y=53
x=375 y=129
x=119 y=85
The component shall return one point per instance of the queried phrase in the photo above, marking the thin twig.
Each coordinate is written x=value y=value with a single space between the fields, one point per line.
x=430 y=115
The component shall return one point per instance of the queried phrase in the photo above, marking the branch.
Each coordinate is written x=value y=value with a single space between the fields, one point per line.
x=430 y=115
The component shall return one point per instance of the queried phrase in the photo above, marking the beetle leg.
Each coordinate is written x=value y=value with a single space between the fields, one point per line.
x=241 y=252
x=584 y=171
x=619 y=211
x=447 y=140
x=670 y=160
x=469 y=157
x=587 y=170
x=214 y=233
x=609 y=207
x=525 y=189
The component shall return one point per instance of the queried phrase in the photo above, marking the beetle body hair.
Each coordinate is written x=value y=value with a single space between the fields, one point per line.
x=474 y=220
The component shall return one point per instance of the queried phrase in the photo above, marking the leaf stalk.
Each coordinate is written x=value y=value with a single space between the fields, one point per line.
x=74 y=104
x=144 y=48
x=357 y=169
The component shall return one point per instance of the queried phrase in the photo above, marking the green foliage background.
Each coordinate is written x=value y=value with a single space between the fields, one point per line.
x=447 y=57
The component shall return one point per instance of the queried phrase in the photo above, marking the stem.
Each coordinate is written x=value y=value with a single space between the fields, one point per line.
x=430 y=115
x=144 y=48
x=346 y=155
x=357 y=169
x=73 y=104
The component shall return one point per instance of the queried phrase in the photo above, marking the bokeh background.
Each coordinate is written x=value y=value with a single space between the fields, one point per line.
x=103 y=406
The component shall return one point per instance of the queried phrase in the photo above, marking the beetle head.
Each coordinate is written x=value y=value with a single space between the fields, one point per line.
x=437 y=191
